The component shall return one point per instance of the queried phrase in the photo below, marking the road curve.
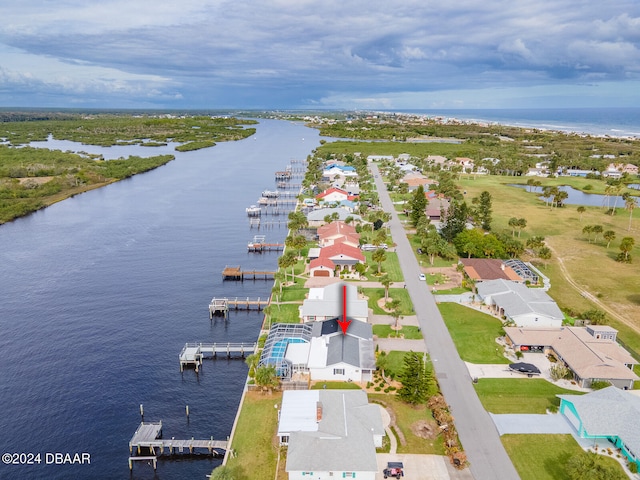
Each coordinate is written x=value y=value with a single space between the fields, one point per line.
x=477 y=432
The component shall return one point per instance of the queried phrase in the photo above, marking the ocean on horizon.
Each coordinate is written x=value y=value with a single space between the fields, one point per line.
x=613 y=122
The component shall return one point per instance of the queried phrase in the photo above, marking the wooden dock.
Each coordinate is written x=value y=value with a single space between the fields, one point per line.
x=260 y=244
x=223 y=305
x=283 y=175
x=236 y=273
x=192 y=354
x=148 y=439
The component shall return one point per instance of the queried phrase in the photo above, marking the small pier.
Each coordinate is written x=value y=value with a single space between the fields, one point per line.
x=236 y=273
x=259 y=245
x=192 y=354
x=223 y=305
x=148 y=438
x=286 y=175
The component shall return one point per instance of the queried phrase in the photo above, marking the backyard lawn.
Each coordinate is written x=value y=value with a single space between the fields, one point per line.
x=519 y=395
x=474 y=333
x=256 y=426
x=542 y=457
x=287 y=313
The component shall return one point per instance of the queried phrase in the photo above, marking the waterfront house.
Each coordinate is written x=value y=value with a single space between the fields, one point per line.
x=525 y=307
x=344 y=256
x=610 y=414
x=334 y=229
x=321 y=267
x=316 y=218
x=319 y=426
x=335 y=195
x=591 y=353
x=325 y=303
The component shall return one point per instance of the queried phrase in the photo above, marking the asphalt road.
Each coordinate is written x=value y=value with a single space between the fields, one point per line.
x=476 y=430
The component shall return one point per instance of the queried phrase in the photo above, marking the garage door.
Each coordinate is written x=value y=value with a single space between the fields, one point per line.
x=321 y=273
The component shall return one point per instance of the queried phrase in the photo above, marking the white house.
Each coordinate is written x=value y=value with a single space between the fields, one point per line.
x=325 y=303
x=526 y=307
x=330 y=434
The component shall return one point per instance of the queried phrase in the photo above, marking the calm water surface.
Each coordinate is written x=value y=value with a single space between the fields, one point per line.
x=100 y=292
x=578 y=197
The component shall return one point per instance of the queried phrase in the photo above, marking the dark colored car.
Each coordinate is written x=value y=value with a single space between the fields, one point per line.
x=394 y=469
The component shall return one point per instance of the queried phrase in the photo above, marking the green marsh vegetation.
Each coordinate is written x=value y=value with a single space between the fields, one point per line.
x=33 y=178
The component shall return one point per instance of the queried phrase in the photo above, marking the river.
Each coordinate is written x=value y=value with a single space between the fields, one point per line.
x=100 y=292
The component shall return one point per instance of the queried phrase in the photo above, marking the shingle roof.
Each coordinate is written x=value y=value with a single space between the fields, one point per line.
x=610 y=412
x=348 y=424
x=587 y=356
x=488 y=269
x=516 y=299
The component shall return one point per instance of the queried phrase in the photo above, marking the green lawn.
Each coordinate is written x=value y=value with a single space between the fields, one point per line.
x=391 y=266
x=542 y=457
x=254 y=440
x=375 y=294
x=409 y=332
x=288 y=313
x=407 y=415
x=473 y=333
x=519 y=395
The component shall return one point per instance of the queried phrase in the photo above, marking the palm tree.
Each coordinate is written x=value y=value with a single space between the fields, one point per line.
x=560 y=197
x=521 y=225
x=626 y=245
x=513 y=223
x=386 y=283
x=617 y=189
x=597 y=230
x=379 y=256
x=581 y=210
x=588 y=229
x=544 y=254
x=394 y=306
x=629 y=204
x=609 y=236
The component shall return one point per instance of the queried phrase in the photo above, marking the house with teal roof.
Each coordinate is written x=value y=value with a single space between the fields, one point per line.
x=611 y=414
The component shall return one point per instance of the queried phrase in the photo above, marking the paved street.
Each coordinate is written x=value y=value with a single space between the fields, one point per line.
x=480 y=439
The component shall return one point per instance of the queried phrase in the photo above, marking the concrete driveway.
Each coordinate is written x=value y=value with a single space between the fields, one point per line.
x=423 y=467
x=530 y=423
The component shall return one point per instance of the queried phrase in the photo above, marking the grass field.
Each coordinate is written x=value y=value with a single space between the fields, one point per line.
x=519 y=395
x=288 y=313
x=256 y=426
x=542 y=457
x=375 y=294
x=591 y=265
x=473 y=333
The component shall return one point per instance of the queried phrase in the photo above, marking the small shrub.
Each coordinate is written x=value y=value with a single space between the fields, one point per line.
x=600 y=384
x=377 y=389
x=386 y=390
x=633 y=467
x=369 y=384
x=519 y=354
x=392 y=389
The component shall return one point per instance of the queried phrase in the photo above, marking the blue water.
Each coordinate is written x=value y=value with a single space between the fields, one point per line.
x=99 y=293
x=615 y=122
x=578 y=197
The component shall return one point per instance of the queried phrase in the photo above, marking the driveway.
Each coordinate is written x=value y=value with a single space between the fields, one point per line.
x=531 y=424
x=422 y=467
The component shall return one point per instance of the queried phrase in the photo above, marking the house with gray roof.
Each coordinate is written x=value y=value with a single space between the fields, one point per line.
x=525 y=307
x=323 y=303
x=319 y=426
x=321 y=351
x=611 y=414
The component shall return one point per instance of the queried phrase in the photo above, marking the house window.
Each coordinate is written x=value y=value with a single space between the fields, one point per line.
x=348 y=474
x=304 y=474
x=338 y=371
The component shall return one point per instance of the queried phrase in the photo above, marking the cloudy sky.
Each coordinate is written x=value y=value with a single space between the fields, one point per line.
x=423 y=54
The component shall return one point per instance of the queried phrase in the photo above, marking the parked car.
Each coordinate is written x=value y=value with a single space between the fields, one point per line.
x=422 y=277
x=394 y=469
x=420 y=251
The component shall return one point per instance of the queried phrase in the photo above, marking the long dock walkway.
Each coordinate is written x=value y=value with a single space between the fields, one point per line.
x=223 y=305
x=192 y=354
x=236 y=273
x=148 y=435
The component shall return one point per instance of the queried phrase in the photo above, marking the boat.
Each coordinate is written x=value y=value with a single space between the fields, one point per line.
x=270 y=194
x=253 y=211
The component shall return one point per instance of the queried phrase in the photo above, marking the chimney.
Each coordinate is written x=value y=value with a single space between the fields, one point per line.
x=318 y=411
x=502 y=267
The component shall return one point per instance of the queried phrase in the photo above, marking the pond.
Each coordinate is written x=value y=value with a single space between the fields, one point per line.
x=577 y=197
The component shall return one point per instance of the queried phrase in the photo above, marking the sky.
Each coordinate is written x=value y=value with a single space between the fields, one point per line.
x=324 y=54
